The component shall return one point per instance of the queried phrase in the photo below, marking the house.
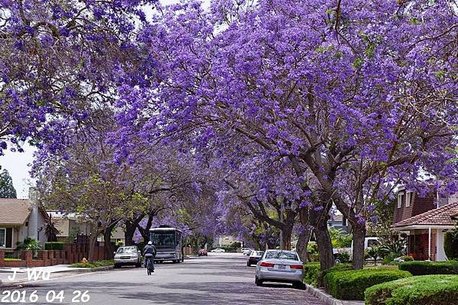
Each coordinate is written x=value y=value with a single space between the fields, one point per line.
x=224 y=241
x=338 y=221
x=21 y=219
x=69 y=225
x=425 y=221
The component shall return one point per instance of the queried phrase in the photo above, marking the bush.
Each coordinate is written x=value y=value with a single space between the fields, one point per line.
x=343 y=257
x=451 y=244
x=312 y=252
x=425 y=268
x=29 y=244
x=311 y=272
x=93 y=264
x=338 y=267
x=313 y=275
x=407 y=258
x=351 y=284
x=424 y=290
x=54 y=245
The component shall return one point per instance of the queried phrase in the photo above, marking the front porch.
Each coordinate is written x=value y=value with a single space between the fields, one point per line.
x=426 y=243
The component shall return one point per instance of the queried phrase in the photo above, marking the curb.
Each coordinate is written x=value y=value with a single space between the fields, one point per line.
x=83 y=270
x=328 y=299
x=322 y=296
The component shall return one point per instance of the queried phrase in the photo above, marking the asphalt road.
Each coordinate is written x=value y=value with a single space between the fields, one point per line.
x=216 y=279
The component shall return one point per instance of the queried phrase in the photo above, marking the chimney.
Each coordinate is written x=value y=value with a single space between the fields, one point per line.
x=33 y=195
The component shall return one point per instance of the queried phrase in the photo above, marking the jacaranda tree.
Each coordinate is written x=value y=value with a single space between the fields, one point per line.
x=354 y=96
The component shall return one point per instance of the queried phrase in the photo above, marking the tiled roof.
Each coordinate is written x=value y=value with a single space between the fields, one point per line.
x=441 y=217
x=14 y=211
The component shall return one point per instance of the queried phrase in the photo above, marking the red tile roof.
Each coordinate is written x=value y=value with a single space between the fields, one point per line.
x=442 y=216
x=14 y=211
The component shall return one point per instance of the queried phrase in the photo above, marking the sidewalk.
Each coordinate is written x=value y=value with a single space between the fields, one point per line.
x=27 y=275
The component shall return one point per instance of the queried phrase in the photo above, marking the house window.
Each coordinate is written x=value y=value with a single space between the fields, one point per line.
x=2 y=238
x=409 y=197
x=400 y=199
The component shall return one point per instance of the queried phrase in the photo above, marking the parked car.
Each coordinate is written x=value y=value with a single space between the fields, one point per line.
x=129 y=255
x=254 y=258
x=218 y=250
x=246 y=251
x=280 y=266
x=203 y=252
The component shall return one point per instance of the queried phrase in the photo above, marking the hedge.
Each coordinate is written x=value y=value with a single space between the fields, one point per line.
x=54 y=246
x=311 y=272
x=425 y=268
x=351 y=284
x=416 y=290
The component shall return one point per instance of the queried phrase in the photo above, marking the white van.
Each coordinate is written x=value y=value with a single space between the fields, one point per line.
x=368 y=243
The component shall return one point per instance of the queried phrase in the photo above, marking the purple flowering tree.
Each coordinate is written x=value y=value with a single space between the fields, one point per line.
x=354 y=97
x=58 y=60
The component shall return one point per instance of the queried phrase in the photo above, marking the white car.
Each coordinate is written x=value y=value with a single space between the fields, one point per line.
x=129 y=255
x=280 y=266
x=246 y=251
x=218 y=250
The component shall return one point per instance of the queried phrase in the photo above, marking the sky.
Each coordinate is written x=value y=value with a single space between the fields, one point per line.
x=18 y=166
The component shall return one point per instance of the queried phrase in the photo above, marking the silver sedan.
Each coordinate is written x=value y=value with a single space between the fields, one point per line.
x=129 y=255
x=280 y=266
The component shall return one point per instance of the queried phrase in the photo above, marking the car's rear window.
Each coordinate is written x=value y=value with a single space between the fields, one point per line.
x=281 y=255
x=127 y=250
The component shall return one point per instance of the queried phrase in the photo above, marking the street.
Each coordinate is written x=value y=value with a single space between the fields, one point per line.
x=216 y=279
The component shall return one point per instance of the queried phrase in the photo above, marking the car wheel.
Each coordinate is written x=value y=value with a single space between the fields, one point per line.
x=257 y=281
x=138 y=265
x=248 y=264
x=116 y=266
x=299 y=285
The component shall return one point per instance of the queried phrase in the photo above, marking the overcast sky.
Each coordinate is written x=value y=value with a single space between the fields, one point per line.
x=18 y=165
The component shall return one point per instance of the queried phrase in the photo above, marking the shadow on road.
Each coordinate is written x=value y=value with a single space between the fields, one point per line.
x=223 y=293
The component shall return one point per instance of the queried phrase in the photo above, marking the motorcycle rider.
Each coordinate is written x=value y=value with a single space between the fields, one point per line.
x=149 y=252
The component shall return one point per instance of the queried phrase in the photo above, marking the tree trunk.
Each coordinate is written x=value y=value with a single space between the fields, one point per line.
x=286 y=235
x=323 y=240
x=129 y=233
x=145 y=231
x=302 y=242
x=108 y=247
x=92 y=245
x=359 y=234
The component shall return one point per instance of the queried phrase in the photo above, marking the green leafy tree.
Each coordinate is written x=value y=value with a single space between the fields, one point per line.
x=7 y=189
x=339 y=238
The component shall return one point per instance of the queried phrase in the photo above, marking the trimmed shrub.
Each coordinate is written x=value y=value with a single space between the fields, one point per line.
x=54 y=245
x=313 y=275
x=451 y=244
x=311 y=272
x=338 y=267
x=351 y=284
x=425 y=268
x=424 y=290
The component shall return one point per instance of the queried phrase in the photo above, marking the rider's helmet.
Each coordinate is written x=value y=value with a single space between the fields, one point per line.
x=150 y=242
